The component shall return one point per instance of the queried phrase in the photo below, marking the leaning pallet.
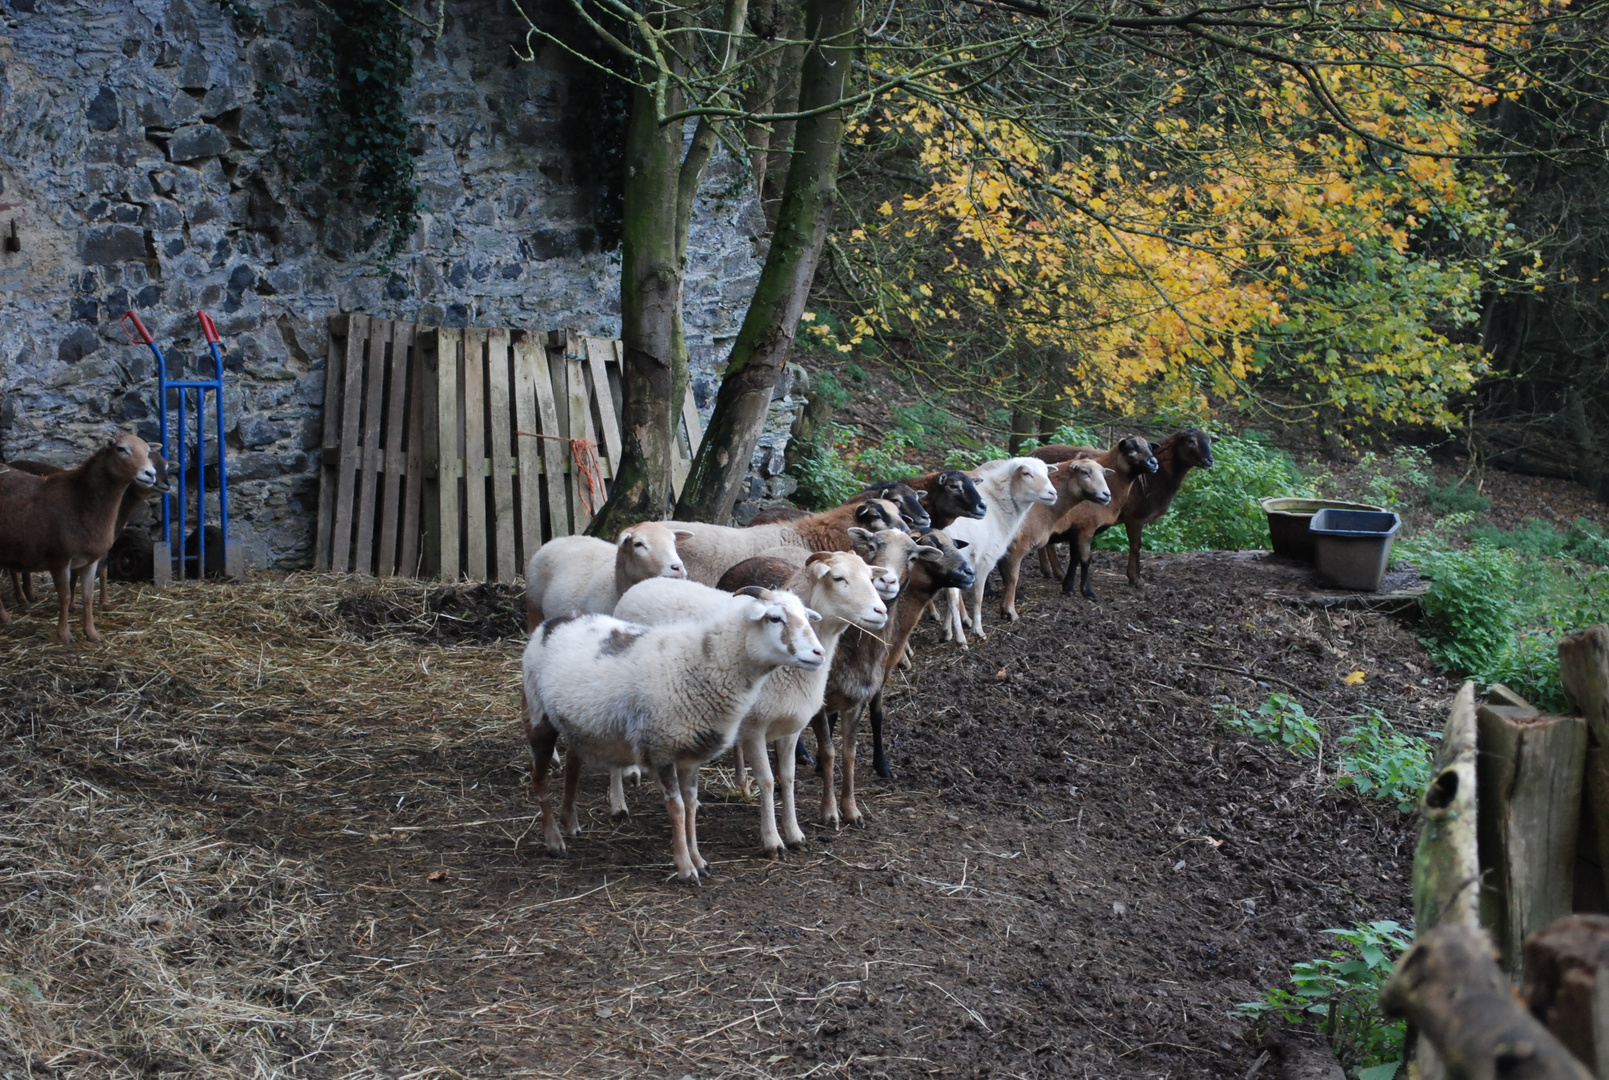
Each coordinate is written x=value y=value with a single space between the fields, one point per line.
x=457 y=452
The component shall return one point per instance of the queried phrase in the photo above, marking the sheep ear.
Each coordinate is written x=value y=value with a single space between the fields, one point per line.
x=153 y=447
x=929 y=554
x=865 y=536
x=866 y=512
x=682 y=536
x=624 y=537
x=1110 y=472
x=813 y=616
x=921 y=496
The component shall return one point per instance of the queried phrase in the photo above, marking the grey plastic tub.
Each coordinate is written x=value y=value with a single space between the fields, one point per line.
x=1290 y=519
x=1352 y=547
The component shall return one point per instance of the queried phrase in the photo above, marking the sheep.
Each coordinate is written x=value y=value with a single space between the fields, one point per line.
x=1076 y=481
x=774 y=567
x=668 y=697
x=901 y=494
x=948 y=495
x=126 y=550
x=1010 y=488
x=1151 y=496
x=837 y=585
x=863 y=661
x=713 y=548
x=1130 y=458
x=588 y=575
x=68 y=520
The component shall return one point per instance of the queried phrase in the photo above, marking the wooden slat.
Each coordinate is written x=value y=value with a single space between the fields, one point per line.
x=695 y=433
x=501 y=450
x=396 y=426
x=527 y=450
x=414 y=467
x=327 y=464
x=369 y=486
x=351 y=401
x=559 y=372
x=475 y=452
x=599 y=350
x=449 y=344
x=553 y=450
x=580 y=428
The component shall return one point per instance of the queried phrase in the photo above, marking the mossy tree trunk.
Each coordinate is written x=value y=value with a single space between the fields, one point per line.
x=766 y=337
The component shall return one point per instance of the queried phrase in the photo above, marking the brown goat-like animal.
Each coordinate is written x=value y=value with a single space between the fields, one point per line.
x=948 y=495
x=1151 y=496
x=1077 y=481
x=68 y=520
x=1130 y=458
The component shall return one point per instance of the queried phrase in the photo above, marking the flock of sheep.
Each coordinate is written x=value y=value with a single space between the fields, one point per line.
x=662 y=651
x=681 y=641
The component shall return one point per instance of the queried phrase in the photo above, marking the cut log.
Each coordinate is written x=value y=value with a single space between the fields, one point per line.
x=1584 y=671
x=1499 y=694
x=1567 y=985
x=1530 y=811
x=1450 y=988
x=1446 y=862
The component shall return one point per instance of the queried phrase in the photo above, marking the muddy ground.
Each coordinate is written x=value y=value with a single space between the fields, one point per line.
x=286 y=825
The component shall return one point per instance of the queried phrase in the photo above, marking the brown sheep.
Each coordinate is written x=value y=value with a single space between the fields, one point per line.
x=1077 y=480
x=68 y=520
x=1130 y=458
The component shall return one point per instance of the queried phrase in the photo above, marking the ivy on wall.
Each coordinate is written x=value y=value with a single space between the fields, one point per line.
x=364 y=50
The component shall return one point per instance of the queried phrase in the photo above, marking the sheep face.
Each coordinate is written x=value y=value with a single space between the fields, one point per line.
x=841 y=588
x=941 y=560
x=780 y=632
x=648 y=550
x=879 y=514
x=1086 y=480
x=1030 y=482
x=1137 y=455
x=1196 y=448
x=909 y=502
x=963 y=493
x=131 y=461
x=891 y=553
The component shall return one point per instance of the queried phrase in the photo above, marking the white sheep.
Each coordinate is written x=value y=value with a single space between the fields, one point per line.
x=584 y=574
x=838 y=585
x=669 y=698
x=1010 y=488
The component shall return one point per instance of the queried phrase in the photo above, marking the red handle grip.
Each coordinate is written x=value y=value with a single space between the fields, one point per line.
x=139 y=327
x=207 y=327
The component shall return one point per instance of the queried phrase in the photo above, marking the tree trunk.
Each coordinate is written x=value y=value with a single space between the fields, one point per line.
x=1451 y=990
x=1446 y=863
x=650 y=315
x=763 y=343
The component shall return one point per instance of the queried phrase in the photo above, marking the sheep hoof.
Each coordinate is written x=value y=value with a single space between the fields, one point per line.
x=881 y=769
x=1089 y=594
x=832 y=821
x=1011 y=616
x=778 y=853
x=619 y=815
x=799 y=844
x=556 y=850
x=857 y=819
x=688 y=879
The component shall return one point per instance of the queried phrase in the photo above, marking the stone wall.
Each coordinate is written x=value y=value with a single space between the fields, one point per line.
x=154 y=155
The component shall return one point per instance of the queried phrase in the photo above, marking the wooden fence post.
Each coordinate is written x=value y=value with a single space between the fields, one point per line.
x=1567 y=985
x=1446 y=862
x=1530 y=810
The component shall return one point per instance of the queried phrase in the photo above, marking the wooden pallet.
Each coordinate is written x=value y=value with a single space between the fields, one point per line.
x=484 y=463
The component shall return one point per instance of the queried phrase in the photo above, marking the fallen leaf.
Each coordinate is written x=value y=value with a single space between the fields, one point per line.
x=439 y=875
x=1354 y=678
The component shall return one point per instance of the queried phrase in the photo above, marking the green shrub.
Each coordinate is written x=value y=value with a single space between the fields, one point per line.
x=1218 y=508
x=1389 y=479
x=1378 y=760
x=1280 y=719
x=825 y=475
x=1455 y=499
x=970 y=457
x=1470 y=612
x=1340 y=993
x=1583 y=540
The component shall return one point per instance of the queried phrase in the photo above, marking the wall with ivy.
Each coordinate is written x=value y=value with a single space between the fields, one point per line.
x=277 y=162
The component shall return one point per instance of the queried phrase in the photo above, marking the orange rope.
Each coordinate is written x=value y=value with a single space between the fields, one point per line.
x=584 y=452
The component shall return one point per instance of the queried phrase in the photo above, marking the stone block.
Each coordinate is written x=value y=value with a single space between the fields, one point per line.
x=112 y=244
x=102 y=112
x=196 y=142
x=219 y=100
x=79 y=343
x=255 y=431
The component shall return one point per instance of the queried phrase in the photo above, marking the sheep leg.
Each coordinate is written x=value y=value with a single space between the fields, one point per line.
x=617 y=794
x=16 y=588
x=742 y=764
x=1134 y=531
x=675 y=809
x=826 y=756
x=852 y=812
x=1010 y=571
x=687 y=776
x=100 y=576
x=792 y=835
x=5 y=619
x=64 y=597
x=569 y=820
x=977 y=613
x=533 y=617
x=88 y=582
x=879 y=758
x=543 y=736
x=770 y=839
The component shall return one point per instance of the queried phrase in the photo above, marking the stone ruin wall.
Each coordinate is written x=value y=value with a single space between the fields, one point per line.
x=149 y=159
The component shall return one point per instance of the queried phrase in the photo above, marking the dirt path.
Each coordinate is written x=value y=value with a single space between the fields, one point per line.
x=1078 y=871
